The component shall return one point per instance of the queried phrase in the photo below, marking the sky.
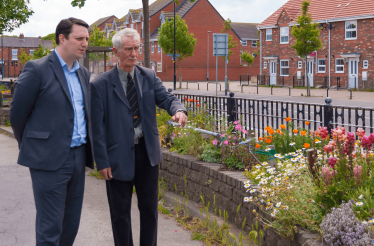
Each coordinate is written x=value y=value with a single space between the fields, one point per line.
x=49 y=12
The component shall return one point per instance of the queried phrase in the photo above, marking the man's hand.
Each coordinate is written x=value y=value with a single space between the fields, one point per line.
x=106 y=173
x=181 y=118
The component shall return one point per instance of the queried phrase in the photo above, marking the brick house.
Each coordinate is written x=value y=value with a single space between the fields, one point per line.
x=101 y=23
x=201 y=17
x=347 y=53
x=12 y=48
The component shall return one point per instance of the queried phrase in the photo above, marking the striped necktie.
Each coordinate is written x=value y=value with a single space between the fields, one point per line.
x=133 y=100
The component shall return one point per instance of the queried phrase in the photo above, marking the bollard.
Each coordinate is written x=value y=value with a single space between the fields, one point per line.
x=272 y=90
x=327 y=92
x=289 y=91
x=170 y=90
x=231 y=108
x=328 y=114
x=350 y=92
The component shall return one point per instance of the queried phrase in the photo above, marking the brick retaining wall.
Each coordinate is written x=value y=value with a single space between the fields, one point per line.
x=228 y=188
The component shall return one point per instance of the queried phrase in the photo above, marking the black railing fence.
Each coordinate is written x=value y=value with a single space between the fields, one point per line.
x=258 y=114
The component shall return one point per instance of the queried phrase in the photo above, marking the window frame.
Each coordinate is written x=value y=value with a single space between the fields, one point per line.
x=299 y=64
x=244 y=43
x=32 y=52
x=321 y=66
x=339 y=65
x=271 y=34
x=350 y=29
x=365 y=66
x=152 y=47
x=158 y=48
x=132 y=25
x=284 y=67
x=159 y=67
x=140 y=48
x=265 y=65
x=15 y=57
x=283 y=35
x=255 y=43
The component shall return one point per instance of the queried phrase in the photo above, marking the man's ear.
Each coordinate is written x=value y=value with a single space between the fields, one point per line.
x=62 y=38
x=115 y=51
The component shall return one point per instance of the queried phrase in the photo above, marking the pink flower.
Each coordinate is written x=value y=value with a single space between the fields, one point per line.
x=357 y=172
x=215 y=142
x=229 y=136
x=236 y=122
x=371 y=138
x=360 y=132
x=223 y=135
x=363 y=155
x=244 y=131
x=226 y=142
x=349 y=143
x=233 y=143
x=365 y=142
x=332 y=161
x=234 y=137
x=238 y=127
x=322 y=132
x=328 y=174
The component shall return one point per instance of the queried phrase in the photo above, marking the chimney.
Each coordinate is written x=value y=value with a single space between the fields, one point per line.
x=40 y=38
x=22 y=37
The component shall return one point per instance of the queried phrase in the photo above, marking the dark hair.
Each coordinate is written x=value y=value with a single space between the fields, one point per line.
x=66 y=25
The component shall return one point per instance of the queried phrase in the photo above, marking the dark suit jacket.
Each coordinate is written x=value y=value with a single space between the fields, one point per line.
x=42 y=115
x=112 y=121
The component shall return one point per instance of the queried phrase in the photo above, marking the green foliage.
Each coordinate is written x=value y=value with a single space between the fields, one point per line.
x=95 y=173
x=98 y=38
x=7 y=123
x=232 y=43
x=24 y=58
x=211 y=153
x=306 y=35
x=38 y=53
x=247 y=57
x=13 y=13
x=51 y=36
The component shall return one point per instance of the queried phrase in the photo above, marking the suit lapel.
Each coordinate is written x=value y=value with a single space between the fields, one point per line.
x=84 y=90
x=117 y=87
x=139 y=78
x=57 y=69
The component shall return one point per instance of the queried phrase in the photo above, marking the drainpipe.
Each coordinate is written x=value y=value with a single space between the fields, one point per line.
x=328 y=26
x=260 y=53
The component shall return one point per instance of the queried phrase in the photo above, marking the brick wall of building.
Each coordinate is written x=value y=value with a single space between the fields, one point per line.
x=13 y=69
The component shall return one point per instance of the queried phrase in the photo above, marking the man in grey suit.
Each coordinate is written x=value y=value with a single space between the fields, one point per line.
x=50 y=117
x=126 y=139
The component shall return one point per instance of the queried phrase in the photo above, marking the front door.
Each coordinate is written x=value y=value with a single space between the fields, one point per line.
x=353 y=73
x=310 y=72
x=273 y=72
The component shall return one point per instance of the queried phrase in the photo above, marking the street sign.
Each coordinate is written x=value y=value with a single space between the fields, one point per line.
x=220 y=44
x=176 y=55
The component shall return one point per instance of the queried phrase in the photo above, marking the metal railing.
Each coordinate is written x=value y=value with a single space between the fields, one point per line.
x=194 y=82
x=207 y=84
x=257 y=114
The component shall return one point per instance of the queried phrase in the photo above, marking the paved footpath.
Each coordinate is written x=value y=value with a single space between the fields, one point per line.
x=17 y=210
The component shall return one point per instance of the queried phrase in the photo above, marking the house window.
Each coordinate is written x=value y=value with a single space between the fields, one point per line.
x=321 y=65
x=284 y=35
x=299 y=65
x=140 y=48
x=158 y=48
x=265 y=65
x=254 y=43
x=31 y=52
x=284 y=68
x=153 y=47
x=132 y=26
x=339 y=65
x=14 y=55
x=365 y=64
x=244 y=42
x=159 y=67
x=269 y=34
x=351 y=30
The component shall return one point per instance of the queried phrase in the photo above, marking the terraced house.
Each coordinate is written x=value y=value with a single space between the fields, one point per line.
x=203 y=20
x=347 y=57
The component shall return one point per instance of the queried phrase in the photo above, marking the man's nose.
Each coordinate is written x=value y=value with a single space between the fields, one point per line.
x=133 y=52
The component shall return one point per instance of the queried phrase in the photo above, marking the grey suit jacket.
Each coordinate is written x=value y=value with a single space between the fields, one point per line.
x=112 y=121
x=42 y=115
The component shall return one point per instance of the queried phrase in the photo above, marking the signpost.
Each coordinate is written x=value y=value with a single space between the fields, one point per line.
x=221 y=48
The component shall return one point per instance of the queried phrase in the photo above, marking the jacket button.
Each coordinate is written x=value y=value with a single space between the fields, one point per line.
x=131 y=130
x=129 y=111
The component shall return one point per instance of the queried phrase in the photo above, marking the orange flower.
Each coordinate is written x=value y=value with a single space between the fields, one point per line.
x=282 y=133
x=269 y=140
x=258 y=146
x=295 y=131
x=267 y=128
x=278 y=131
x=198 y=104
x=288 y=119
x=283 y=127
x=197 y=101
x=191 y=100
x=306 y=145
x=271 y=131
x=260 y=138
x=307 y=123
x=303 y=133
x=185 y=99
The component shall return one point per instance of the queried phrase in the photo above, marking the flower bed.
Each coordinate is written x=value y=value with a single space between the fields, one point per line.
x=294 y=191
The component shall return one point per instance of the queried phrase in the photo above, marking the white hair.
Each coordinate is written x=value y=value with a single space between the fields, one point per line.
x=117 y=38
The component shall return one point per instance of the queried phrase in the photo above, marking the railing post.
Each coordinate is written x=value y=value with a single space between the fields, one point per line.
x=240 y=80
x=327 y=92
x=293 y=81
x=248 y=79
x=257 y=84
x=271 y=89
x=328 y=114
x=289 y=90
x=350 y=92
x=231 y=106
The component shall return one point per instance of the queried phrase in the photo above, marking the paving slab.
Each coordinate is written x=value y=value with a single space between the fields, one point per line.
x=17 y=209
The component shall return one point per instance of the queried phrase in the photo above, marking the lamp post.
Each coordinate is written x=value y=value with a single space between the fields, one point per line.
x=207 y=66
x=175 y=78
x=2 y=57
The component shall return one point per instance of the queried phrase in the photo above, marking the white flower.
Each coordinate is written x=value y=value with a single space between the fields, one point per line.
x=279 y=204
x=262 y=201
x=276 y=210
x=267 y=149
x=258 y=166
x=265 y=163
x=258 y=177
x=252 y=191
x=263 y=181
x=294 y=159
x=371 y=221
x=292 y=144
x=247 y=186
x=273 y=214
x=250 y=199
x=289 y=187
x=272 y=194
x=246 y=199
x=360 y=197
x=285 y=207
x=359 y=204
x=317 y=141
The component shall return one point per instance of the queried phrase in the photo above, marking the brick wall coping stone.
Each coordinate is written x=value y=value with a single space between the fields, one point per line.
x=194 y=177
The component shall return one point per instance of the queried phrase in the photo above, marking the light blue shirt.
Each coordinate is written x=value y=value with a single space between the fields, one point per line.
x=76 y=95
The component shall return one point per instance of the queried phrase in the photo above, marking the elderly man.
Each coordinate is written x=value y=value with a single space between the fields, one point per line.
x=126 y=139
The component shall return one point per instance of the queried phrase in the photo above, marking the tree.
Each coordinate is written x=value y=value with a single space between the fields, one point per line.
x=98 y=38
x=13 y=13
x=51 y=36
x=184 y=41
x=247 y=57
x=38 y=53
x=232 y=43
x=307 y=38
